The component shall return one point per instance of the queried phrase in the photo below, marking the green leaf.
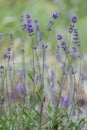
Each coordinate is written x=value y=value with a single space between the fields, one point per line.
x=31 y=77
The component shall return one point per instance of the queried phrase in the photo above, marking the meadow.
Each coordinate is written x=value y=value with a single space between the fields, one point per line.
x=42 y=73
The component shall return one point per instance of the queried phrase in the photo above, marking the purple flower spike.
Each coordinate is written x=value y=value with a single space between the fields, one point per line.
x=39 y=36
x=28 y=15
x=59 y=37
x=5 y=56
x=21 y=88
x=34 y=47
x=66 y=100
x=37 y=26
x=42 y=45
x=49 y=26
x=21 y=73
x=74 y=18
x=55 y=15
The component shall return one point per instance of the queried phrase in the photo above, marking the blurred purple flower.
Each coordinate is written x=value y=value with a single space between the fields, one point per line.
x=74 y=53
x=66 y=100
x=29 y=26
x=28 y=15
x=76 y=37
x=58 y=53
x=55 y=15
x=74 y=18
x=37 y=26
x=34 y=47
x=83 y=76
x=49 y=26
x=37 y=79
x=59 y=37
x=21 y=89
x=39 y=36
x=21 y=73
x=71 y=27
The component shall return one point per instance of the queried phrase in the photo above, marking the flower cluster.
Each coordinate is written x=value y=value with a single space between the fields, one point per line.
x=51 y=22
x=29 y=26
x=37 y=26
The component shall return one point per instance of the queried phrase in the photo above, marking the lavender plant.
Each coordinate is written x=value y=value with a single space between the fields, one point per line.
x=42 y=98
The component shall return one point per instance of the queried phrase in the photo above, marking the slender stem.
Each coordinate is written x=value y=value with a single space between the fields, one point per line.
x=42 y=85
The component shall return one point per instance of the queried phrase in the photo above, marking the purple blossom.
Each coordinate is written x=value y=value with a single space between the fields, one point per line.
x=9 y=49
x=21 y=89
x=29 y=26
x=83 y=76
x=66 y=100
x=42 y=45
x=34 y=47
x=76 y=37
x=59 y=37
x=1 y=67
x=58 y=53
x=74 y=52
x=55 y=15
x=28 y=15
x=5 y=56
x=72 y=71
x=21 y=73
x=63 y=44
x=58 y=56
x=74 y=18
x=37 y=26
x=49 y=26
x=71 y=28
x=39 y=36
x=37 y=79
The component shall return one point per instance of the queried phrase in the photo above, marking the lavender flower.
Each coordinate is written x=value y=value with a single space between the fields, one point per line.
x=55 y=15
x=74 y=52
x=29 y=26
x=21 y=89
x=49 y=26
x=37 y=79
x=39 y=36
x=83 y=76
x=66 y=100
x=72 y=71
x=34 y=47
x=21 y=73
x=5 y=55
x=59 y=37
x=28 y=16
x=58 y=53
x=37 y=26
x=1 y=71
x=1 y=67
x=76 y=37
x=71 y=28
x=42 y=45
x=74 y=18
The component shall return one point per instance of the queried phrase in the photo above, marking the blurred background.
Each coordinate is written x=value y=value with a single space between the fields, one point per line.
x=11 y=10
